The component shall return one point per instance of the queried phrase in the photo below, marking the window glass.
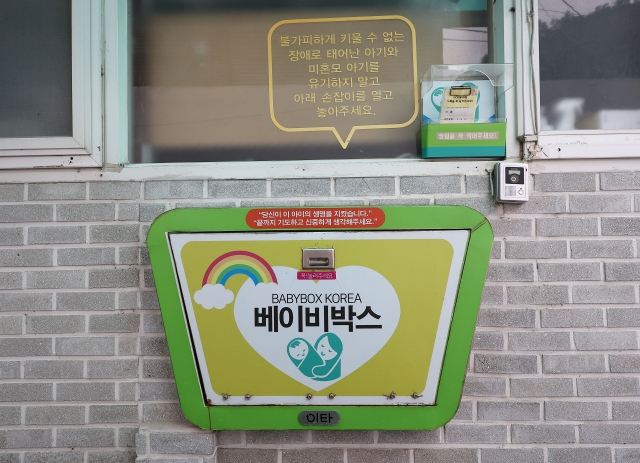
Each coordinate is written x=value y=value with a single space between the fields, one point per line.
x=589 y=64
x=35 y=68
x=202 y=70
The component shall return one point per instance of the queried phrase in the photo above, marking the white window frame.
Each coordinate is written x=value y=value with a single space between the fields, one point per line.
x=118 y=125
x=101 y=109
x=556 y=144
x=102 y=116
x=84 y=147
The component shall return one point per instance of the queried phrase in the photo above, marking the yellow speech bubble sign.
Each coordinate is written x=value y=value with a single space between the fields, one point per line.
x=343 y=74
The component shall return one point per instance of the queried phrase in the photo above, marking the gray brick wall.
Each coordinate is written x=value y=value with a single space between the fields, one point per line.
x=553 y=375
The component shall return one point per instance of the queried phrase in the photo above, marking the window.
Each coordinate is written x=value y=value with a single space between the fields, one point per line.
x=35 y=100
x=183 y=81
x=584 y=78
x=242 y=80
x=50 y=84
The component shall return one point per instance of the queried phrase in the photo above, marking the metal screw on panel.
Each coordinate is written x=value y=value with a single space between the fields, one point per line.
x=247 y=396
x=309 y=396
x=415 y=395
x=225 y=396
x=391 y=396
x=332 y=396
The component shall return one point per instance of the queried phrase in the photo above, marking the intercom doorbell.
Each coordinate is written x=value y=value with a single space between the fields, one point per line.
x=511 y=182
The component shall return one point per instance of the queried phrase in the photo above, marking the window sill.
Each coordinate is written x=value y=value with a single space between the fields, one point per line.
x=46 y=160
x=307 y=169
x=588 y=145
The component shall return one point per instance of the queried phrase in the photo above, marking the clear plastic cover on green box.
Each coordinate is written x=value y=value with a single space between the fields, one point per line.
x=485 y=137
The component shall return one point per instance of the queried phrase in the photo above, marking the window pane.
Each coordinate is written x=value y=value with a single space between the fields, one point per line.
x=35 y=69
x=589 y=64
x=201 y=75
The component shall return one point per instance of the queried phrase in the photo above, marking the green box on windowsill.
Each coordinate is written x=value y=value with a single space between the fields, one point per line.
x=480 y=140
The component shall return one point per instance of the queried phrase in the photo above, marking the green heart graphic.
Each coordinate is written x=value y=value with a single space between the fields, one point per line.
x=320 y=362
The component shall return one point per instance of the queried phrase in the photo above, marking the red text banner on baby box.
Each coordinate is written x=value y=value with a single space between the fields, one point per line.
x=320 y=217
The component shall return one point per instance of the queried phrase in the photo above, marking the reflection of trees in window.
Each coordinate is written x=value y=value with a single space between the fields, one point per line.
x=201 y=81
x=604 y=44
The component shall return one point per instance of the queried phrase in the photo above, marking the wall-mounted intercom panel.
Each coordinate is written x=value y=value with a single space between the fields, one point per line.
x=510 y=182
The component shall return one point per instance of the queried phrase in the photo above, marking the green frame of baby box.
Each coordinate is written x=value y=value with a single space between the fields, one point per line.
x=274 y=417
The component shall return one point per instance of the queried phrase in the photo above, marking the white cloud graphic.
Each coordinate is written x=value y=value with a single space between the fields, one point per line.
x=211 y=296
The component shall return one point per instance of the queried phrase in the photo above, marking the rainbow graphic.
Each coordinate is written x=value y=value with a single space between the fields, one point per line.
x=239 y=262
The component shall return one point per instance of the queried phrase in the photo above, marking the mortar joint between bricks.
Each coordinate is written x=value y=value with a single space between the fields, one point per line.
x=539 y=364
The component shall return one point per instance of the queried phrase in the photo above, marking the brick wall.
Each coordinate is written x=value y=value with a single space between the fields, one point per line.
x=553 y=377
